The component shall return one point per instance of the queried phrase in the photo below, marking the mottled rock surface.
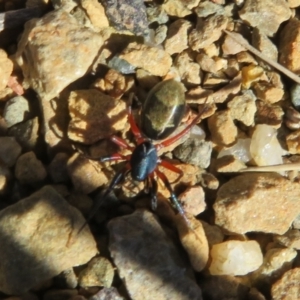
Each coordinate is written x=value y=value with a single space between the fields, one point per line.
x=39 y=235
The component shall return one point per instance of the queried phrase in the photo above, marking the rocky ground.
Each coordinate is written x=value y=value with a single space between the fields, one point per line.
x=65 y=82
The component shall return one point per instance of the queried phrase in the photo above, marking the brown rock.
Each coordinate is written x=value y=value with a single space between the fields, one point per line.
x=263 y=202
x=207 y=32
x=268 y=92
x=289 y=48
x=293 y=142
x=293 y=3
x=222 y=128
x=143 y=264
x=269 y=114
x=251 y=74
x=85 y=174
x=179 y=8
x=6 y=69
x=231 y=46
x=290 y=239
x=94 y=116
x=177 y=38
x=154 y=60
x=48 y=60
x=265 y=15
x=228 y=164
x=287 y=288
x=213 y=233
x=47 y=228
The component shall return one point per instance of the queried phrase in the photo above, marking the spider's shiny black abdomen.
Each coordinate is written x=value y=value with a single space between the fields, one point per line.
x=143 y=161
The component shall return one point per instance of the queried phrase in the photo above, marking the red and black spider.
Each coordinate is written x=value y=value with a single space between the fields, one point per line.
x=161 y=114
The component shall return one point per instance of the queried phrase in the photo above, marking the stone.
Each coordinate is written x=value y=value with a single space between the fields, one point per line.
x=287 y=287
x=295 y=95
x=291 y=239
x=229 y=164
x=293 y=142
x=194 y=151
x=47 y=59
x=40 y=234
x=29 y=170
x=16 y=110
x=86 y=176
x=251 y=74
x=231 y=47
x=55 y=294
x=265 y=15
x=213 y=233
x=243 y=108
x=179 y=8
x=207 y=32
x=222 y=128
x=160 y=34
x=81 y=201
x=107 y=294
x=207 y=8
x=208 y=64
x=194 y=242
x=269 y=114
x=143 y=264
x=177 y=37
x=235 y=258
x=58 y=168
x=6 y=69
x=94 y=116
x=157 y=14
x=152 y=59
x=293 y=3
x=265 y=202
x=288 y=47
x=9 y=150
x=268 y=92
x=67 y=279
x=99 y=272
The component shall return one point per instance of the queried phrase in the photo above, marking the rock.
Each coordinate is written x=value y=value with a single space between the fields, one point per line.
x=127 y=15
x=179 y=8
x=207 y=8
x=291 y=239
x=29 y=170
x=67 y=279
x=197 y=95
x=265 y=148
x=276 y=262
x=192 y=200
x=293 y=3
x=268 y=92
x=288 y=46
x=254 y=294
x=94 y=116
x=213 y=234
x=293 y=142
x=292 y=118
x=235 y=258
x=157 y=14
x=54 y=294
x=222 y=128
x=9 y=150
x=47 y=59
x=263 y=202
x=85 y=176
x=251 y=74
x=107 y=294
x=207 y=32
x=231 y=47
x=16 y=110
x=58 y=168
x=194 y=242
x=265 y=15
x=26 y=133
x=287 y=288
x=146 y=80
x=189 y=71
x=243 y=108
x=160 y=34
x=211 y=65
x=47 y=228
x=143 y=265
x=5 y=178
x=223 y=287
x=194 y=151
x=177 y=38
x=295 y=95
x=229 y=164
x=81 y=201
x=269 y=114
x=154 y=60
x=6 y=69
x=99 y=272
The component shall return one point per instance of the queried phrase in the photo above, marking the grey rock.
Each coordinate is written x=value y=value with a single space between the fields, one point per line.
x=107 y=294
x=295 y=96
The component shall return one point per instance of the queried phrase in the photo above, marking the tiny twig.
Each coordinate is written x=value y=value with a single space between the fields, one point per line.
x=239 y=39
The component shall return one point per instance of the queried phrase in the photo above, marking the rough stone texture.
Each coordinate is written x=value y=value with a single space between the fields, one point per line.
x=229 y=164
x=231 y=46
x=6 y=69
x=179 y=8
x=85 y=175
x=106 y=294
x=9 y=150
x=39 y=234
x=29 y=170
x=99 y=272
x=287 y=288
x=127 y=15
x=293 y=142
x=177 y=38
x=266 y=15
x=269 y=114
x=263 y=202
x=243 y=108
x=154 y=60
x=144 y=264
x=207 y=32
x=49 y=48
x=194 y=242
x=235 y=258
x=268 y=92
x=290 y=239
x=289 y=46
x=211 y=65
x=213 y=233
x=222 y=128
x=94 y=116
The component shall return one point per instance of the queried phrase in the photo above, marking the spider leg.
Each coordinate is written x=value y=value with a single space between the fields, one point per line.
x=119 y=176
x=114 y=157
x=120 y=142
x=153 y=191
x=173 y=197
x=171 y=167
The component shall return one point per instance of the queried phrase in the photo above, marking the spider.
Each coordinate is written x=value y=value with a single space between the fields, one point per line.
x=160 y=116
